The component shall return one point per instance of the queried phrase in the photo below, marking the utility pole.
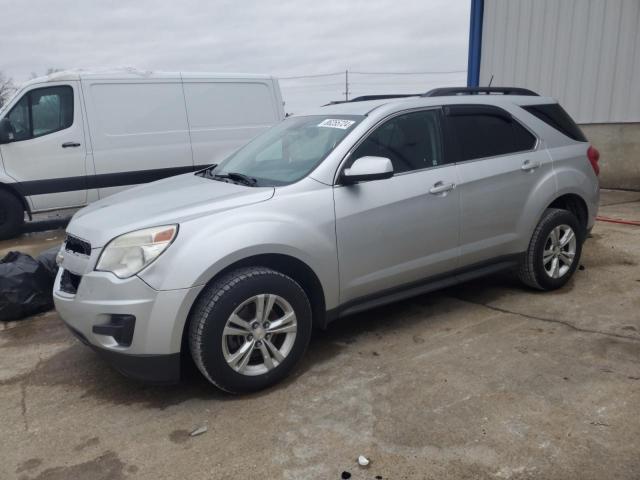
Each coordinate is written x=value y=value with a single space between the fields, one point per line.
x=346 y=85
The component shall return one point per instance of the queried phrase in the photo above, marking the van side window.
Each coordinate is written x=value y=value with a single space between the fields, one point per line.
x=411 y=141
x=484 y=133
x=42 y=111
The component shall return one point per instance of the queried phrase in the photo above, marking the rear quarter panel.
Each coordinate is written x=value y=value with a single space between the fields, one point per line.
x=574 y=174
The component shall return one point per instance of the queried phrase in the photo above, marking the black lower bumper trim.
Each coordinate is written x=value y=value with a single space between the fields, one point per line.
x=163 y=369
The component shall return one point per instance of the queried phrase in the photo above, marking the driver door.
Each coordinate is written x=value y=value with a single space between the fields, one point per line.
x=46 y=154
x=399 y=231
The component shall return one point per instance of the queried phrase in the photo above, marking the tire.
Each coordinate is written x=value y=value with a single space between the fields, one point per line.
x=11 y=215
x=216 y=341
x=536 y=270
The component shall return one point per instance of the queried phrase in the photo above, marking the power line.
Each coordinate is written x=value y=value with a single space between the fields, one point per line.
x=334 y=74
x=312 y=76
x=408 y=73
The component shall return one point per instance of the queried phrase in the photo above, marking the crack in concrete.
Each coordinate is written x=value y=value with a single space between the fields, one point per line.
x=549 y=320
x=23 y=394
x=23 y=405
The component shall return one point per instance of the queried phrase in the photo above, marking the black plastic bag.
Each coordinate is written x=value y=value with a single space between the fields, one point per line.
x=26 y=287
x=48 y=261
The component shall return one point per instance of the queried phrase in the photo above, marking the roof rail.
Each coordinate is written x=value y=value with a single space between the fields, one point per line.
x=447 y=91
x=365 y=98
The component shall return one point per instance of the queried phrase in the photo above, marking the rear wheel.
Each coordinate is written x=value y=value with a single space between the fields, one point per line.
x=249 y=329
x=554 y=251
x=11 y=215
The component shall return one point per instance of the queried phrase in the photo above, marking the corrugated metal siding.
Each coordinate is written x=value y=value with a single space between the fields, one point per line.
x=586 y=53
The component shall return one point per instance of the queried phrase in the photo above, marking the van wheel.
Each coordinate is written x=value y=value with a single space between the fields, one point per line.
x=11 y=215
x=249 y=329
x=554 y=251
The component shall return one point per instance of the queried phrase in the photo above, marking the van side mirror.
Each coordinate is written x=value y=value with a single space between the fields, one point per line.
x=6 y=131
x=365 y=169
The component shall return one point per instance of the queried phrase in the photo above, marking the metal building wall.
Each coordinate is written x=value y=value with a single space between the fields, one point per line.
x=586 y=53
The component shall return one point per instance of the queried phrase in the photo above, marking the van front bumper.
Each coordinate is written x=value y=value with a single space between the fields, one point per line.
x=137 y=329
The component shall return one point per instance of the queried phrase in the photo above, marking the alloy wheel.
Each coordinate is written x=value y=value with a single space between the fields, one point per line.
x=259 y=334
x=559 y=251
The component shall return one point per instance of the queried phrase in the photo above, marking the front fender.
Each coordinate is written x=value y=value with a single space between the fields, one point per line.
x=9 y=183
x=206 y=246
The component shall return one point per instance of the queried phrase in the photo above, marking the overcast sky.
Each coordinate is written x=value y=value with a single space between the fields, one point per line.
x=282 y=38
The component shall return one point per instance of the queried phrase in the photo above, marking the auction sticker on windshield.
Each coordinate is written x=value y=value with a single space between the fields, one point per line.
x=336 y=123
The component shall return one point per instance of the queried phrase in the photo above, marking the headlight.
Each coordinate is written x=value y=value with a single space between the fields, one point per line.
x=127 y=254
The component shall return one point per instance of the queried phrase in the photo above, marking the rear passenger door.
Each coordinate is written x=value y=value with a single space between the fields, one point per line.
x=499 y=166
x=400 y=230
x=139 y=132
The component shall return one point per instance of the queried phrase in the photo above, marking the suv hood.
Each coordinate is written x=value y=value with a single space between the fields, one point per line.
x=172 y=200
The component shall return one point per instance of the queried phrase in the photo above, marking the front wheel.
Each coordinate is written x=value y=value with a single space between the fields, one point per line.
x=11 y=215
x=249 y=329
x=554 y=251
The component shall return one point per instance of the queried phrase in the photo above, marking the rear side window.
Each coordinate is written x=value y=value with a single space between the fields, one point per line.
x=484 y=131
x=556 y=116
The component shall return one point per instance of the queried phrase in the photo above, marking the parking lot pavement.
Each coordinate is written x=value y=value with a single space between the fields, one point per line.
x=484 y=380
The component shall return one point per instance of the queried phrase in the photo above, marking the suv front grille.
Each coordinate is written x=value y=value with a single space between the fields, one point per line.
x=69 y=282
x=75 y=245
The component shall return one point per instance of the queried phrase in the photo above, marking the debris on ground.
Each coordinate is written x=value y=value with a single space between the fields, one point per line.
x=345 y=475
x=363 y=461
x=26 y=285
x=199 y=431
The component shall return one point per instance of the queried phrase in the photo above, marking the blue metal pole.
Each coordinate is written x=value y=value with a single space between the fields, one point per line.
x=475 y=43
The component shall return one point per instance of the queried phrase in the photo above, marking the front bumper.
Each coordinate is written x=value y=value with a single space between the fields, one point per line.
x=148 y=368
x=152 y=351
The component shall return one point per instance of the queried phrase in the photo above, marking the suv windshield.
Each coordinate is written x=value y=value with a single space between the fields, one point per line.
x=289 y=151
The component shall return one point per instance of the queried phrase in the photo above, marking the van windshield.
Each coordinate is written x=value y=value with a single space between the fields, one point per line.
x=289 y=151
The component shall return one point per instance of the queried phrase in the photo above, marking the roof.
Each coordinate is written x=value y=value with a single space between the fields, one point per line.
x=390 y=104
x=126 y=73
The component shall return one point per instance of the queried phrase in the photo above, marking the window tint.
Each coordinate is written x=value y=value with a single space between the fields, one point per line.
x=484 y=134
x=556 y=116
x=42 y=111
x=411 y=141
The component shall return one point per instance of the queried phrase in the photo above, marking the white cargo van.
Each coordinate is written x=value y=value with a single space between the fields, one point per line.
x=73 y=137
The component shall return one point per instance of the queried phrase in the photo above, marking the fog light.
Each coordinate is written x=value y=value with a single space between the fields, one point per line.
x=120 y=327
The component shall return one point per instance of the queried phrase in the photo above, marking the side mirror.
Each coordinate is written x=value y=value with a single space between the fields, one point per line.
x=6 y=132
x=365 y=169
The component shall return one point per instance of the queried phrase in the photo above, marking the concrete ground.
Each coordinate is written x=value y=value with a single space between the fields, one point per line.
x=485 y=380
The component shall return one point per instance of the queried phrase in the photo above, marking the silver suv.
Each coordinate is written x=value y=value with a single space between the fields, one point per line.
x=346 y=208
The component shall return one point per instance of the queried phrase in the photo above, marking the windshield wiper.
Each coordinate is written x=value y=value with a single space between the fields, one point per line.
x=238 y=177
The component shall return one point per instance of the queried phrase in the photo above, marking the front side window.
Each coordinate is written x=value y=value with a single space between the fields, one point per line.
x=412 y=141
x=19 y=122
x=41 y=111
x=486 y=134
x=289 y=151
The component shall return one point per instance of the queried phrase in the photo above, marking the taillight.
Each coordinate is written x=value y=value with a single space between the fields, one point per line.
x=594 y=155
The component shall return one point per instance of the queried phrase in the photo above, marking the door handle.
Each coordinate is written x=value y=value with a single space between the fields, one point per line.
x=441 y=187
x=528 y=165
x=70 y=144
